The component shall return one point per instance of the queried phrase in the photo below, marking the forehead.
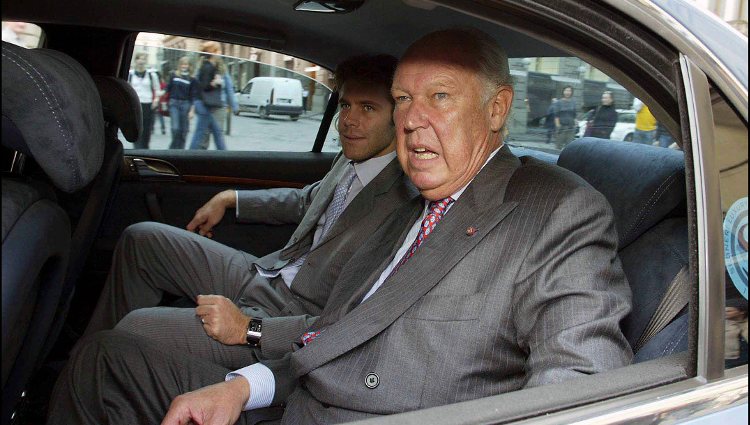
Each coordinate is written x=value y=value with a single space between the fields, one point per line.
x=358 y=91
x=424 y=71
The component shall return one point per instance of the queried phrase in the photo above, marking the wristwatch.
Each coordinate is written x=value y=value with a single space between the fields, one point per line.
x=253 y=332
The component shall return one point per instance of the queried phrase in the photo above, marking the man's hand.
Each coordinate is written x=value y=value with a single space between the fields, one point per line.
x=222 y=320
x=218 y=404
x=211 y=213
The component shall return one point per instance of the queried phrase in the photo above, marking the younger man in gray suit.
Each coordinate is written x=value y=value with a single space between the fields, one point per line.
x=153 y=258
x=502 y=275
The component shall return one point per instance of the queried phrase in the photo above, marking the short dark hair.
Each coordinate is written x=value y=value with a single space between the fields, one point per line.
x=369 y=69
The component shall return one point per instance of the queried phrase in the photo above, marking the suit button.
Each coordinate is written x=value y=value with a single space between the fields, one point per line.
x=372 y=380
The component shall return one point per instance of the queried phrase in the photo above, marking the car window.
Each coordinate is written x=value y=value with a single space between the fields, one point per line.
x=270 y=101
x=22 y=34
x=543 y=118
x=730 y=134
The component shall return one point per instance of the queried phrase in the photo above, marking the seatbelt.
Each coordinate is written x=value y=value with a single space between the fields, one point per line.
x=674 y=300
x=325 y=123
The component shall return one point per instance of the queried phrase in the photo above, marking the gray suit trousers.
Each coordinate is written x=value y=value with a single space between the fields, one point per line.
x=139 y=376
x=151 y=259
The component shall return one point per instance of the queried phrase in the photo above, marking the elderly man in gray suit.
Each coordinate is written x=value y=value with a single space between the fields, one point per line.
x=502 y=275
x=274 y=292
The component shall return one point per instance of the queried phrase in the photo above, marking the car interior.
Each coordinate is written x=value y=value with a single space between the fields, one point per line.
x=72 y=183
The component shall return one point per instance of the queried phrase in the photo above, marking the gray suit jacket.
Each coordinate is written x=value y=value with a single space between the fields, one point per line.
x=534 y=296
x=289 y=311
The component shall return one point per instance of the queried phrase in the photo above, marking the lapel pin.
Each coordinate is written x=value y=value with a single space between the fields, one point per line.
x=471 y=230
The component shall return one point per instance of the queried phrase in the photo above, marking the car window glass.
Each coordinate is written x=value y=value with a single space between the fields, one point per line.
x=730 y=134
x=269 y=101
x=22 y=34
x=543 y=118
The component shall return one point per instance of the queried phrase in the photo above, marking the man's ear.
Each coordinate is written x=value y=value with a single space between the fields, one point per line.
x=500 y=106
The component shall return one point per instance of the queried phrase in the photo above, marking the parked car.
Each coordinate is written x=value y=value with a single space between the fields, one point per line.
x=268 y=96
x=624 y=127
x=685 y=64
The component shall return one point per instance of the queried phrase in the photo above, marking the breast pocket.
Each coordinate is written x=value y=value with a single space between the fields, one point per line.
x=446 y=308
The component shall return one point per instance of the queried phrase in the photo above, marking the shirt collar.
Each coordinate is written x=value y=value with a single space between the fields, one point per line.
x=369 y=169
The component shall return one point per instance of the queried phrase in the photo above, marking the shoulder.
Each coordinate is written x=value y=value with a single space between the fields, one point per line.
x=535 y=180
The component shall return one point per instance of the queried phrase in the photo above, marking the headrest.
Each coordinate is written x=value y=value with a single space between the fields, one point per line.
x=642 y=183
x=121 y=106
x=53 y=104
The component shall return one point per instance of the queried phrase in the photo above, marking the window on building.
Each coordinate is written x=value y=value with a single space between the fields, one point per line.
x=269 y=101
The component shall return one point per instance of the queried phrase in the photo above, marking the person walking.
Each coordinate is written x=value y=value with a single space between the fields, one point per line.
x=146 y=86
x=183 y=90
x=565 y=118
x=645 y=123
x=208 y=105
x=604 y=118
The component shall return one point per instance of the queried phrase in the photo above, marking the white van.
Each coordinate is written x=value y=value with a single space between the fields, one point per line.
x=268 y=96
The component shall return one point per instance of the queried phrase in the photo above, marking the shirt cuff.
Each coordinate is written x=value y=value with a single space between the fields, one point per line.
x=236 y=204
x=262 y=385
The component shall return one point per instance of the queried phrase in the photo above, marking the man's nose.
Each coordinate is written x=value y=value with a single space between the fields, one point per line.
x=350 y=117
x=415 y=116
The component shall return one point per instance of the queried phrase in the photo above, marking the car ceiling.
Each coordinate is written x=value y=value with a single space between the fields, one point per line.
x=379 y=26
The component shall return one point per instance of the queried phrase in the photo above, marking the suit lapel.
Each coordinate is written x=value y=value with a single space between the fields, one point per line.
x=364 y=202
x=481 y=206
x=321 y=200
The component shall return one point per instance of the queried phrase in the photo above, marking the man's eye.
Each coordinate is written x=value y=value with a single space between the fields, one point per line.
x=441 y=96
x=344 y=105
x=368 y=108
x=401 y=99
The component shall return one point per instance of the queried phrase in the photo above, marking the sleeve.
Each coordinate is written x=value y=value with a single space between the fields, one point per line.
x=280 y=333
x=271 y=382
x=262 y=385
x=194 y=89
x=275 y=206
x=572 y=292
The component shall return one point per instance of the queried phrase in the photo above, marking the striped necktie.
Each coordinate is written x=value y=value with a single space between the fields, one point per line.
x=334 y=210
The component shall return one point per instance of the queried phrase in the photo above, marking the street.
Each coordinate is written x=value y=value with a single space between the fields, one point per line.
x=251 y=133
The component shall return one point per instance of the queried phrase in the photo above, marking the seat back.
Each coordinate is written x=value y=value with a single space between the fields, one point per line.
x=87 y=207
x=645 y=185
x=52 y=117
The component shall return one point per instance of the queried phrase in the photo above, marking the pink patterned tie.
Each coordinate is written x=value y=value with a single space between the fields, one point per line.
x=435 y=212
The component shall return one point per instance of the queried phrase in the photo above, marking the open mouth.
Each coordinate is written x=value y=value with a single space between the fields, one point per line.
x=423 y=153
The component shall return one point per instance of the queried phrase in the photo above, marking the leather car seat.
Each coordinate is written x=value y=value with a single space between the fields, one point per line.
x=52 y=117
x=645 y=185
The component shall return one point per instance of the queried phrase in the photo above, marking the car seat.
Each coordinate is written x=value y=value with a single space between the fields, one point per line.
x=645 y=185
x=52 y=117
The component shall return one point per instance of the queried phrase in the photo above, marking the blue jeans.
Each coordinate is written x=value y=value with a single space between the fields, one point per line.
x=205 y=123
x=644 y=137
x=178 y=113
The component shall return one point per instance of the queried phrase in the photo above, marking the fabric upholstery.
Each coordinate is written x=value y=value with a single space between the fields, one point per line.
x=120 y=106
x=646 y=187
x=55 y=105
x=644 y=184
